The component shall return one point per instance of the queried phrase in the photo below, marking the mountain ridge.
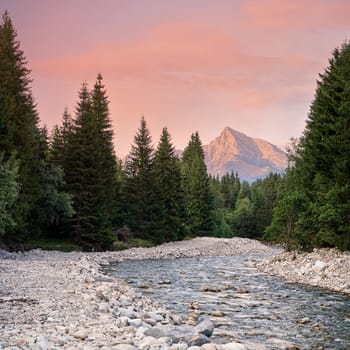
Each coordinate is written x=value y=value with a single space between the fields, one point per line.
x=251 y=158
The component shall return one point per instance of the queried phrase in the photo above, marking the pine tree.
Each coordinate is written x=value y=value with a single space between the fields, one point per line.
x=139 y=184
x=60 y=138
x=107 y=163
x=90 y=169
x=168 y=194
x=198 y=197
x=322 y=166
x=19 y=132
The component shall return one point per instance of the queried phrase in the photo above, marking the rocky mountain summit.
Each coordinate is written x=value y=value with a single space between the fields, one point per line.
x=251 y=158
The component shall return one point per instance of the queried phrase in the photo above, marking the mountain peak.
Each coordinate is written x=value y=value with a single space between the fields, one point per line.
x=251 y=158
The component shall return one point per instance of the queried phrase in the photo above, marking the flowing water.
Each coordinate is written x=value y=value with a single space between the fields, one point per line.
x=257 y=308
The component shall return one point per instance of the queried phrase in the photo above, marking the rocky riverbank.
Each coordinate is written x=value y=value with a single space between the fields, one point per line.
x=324 y=268
x=53 y=300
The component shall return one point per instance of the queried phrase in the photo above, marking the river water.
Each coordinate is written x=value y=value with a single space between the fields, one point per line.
x=256 y=308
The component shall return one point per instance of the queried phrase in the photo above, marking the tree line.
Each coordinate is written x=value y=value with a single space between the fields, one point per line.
x=69 y=184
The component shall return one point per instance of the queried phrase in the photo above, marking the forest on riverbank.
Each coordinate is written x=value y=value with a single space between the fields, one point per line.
x=68 y=186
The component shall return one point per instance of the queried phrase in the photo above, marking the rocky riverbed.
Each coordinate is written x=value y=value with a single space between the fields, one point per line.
x=53 y=300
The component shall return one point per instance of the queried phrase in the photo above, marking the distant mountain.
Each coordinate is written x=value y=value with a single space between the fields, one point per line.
x=251 y=158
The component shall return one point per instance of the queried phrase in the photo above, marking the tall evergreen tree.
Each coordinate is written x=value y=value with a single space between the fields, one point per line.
x=139 y=184
x=60 y=138
x=168 y=194
x=320 y=196
x=107 y=162
x=19 y=132
x=198 y=197
x=90 y=169
x=323 y=159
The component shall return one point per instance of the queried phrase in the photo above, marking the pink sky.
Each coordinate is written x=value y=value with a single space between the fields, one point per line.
x=185 y=64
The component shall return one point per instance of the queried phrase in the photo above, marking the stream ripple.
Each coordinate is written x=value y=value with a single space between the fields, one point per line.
x=255 y=308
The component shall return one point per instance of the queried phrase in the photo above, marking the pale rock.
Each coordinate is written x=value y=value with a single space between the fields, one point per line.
x=217 y=313
x=136 y=322
x=211 y=347
x=150 y=321
x=128 y=313
x=177 y=320
x=147 y=342
x=320 y=266
x=104 y=308
x=179 y=346
x=234 y=346
x=81 y=334
x=124 y=347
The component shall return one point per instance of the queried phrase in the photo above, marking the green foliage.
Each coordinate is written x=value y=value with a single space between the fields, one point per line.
x=286 y=214
x=9 y=189
x=138 y=188
x=19 y=132
x=53 y=206
x=243 y=218
x=264 y=197
x=196 y=187
x=168 y=197
x=139 y=242
x=85 y=150
x=317 y=206
x=53 y=244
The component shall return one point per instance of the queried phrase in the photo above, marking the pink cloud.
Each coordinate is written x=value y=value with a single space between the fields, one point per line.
x=296 y=15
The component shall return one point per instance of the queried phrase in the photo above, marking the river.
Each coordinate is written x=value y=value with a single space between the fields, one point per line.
x=255 y=308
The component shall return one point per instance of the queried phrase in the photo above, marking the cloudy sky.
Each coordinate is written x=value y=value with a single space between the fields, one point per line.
x=185 y=64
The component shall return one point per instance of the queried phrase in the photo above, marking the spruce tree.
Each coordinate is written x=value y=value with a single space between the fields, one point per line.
x=19 y=132
x=168 y=194
x=60 y=138
x=106 y=166
x=196 y=187
x=322 y=163
x=139 y=184
x=90 y=169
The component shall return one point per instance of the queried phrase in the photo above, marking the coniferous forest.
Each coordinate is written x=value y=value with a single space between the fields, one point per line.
x=67 y=185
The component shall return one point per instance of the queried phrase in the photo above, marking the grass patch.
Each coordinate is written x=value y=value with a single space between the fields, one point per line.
x=140 y=243
x=54 y=244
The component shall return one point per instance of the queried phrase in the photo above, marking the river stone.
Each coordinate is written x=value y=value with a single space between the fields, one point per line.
x=198 y=340
x=124 y=347
x=81 y=335
x=150 y=321
x=210 y=347
x=205 y=327
x=128 y=313
x=104 y=308
x=179 y=346
x=176 y=333
x=217 y=313
x=177 y=320
x=136 y=322
x=320 y=266
x=147 y=342
x=155 y=316
x=234 y=346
